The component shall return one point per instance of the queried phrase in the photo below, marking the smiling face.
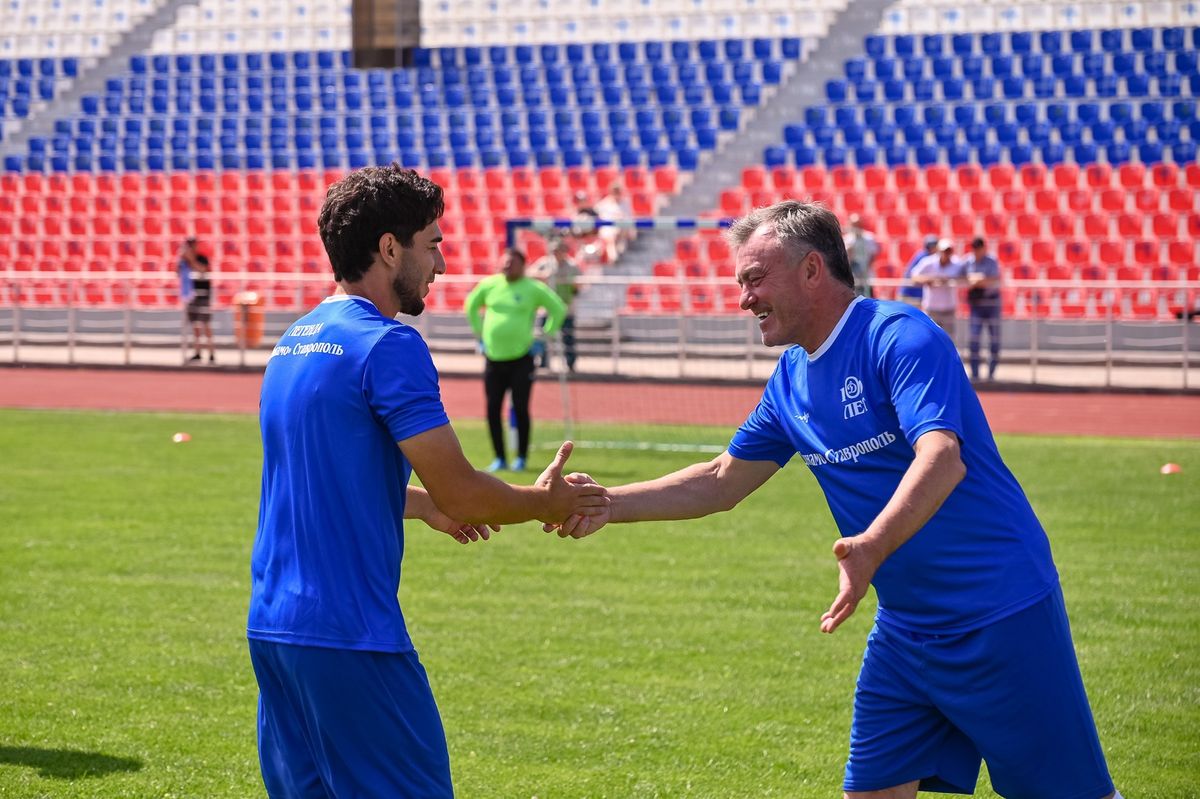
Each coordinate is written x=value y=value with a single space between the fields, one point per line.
x=775 y=287
x=415 y=268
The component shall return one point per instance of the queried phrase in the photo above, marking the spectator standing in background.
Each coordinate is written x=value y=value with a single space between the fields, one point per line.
x=199 y=309
x=862 y=249
x=613 y=207
x=938 y=275
x=502 y=310
x=910 y=292
x=983 y=300
x=558 y=271
x=195 y=292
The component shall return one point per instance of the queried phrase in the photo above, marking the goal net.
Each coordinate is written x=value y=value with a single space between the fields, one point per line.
x=664 y=358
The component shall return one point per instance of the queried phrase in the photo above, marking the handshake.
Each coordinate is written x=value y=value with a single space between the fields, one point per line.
x=579 y=505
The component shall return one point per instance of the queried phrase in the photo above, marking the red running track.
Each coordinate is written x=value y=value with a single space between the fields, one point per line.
x=1042 y=413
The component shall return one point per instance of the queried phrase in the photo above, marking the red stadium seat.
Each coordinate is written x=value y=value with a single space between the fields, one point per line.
x=687 y=248
x=667 y=269
x=1193 y=225
x=1008 y=252
x=948 y=201
x=783 y=179
x=843 y=177
x=717 y=251
x=1098 y=176
x=885 y=202
x=639 y=297
x=937 y=177
x=994 y=225
x=812 y=178
x=1111 y=252
x=733 y=202
x=1032 y=175
x=980 y=201
x=754 y=178
x=1028 y=225
x=523 y=179
x=1058 y=273
x=1001 y=176
x=1182 y=252
x=1146 y=201
x=853 y=202
x=1012 y=200
x=552 y=179
x=915 y=201
x=1147 y=252
x=1112 y=200
x=969 y=176
x=1079 y=201
x=875 y=177
x=1077 y=251
x=1129 y=225
x=636 y=178
x=496 y=180
x=670 y=298
x=1066 y=176
x=1181 y=200
x=1165 y=225
x=1042 y=251
x=1164 y=175
x=1046 y=200
x=1061 y=225
x=906 y=177
x=666 y=179
x=962 y=225
x=1132 y=175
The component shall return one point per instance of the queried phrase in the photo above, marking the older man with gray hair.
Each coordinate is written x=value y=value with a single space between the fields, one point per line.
x=971 y=657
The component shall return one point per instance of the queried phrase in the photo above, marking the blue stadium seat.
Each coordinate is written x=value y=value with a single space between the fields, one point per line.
x=962 y=43
x=1142 y=38
x=1033 y=65
x=1019 y=42
x=1118 y=152
x=991 y=43
x=895 y=90
x=1050 y=42
x=1186 y=62
x=1184 y=152
x=884 y=68
x=1082 y=40
x=966 y=114
x=1173 y=39
x=876 y=46
x=775 y=156
x=983 y=88
x=896 y=155
x=835 y=90
x=1137 y=85
x=803 y=156
x=790 y=47
x=834 y=155
x=904 y=45
x=1112 y=41
x=1013 y=87
x=856 y=69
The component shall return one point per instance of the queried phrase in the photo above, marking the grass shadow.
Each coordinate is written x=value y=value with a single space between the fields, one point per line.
x=66 y=764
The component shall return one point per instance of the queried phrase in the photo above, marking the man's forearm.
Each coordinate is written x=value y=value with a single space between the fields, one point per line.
x=933 y=474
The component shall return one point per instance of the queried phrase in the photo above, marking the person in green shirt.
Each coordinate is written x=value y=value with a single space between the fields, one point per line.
x=502 y=310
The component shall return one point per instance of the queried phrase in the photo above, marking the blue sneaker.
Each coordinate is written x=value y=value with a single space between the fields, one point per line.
x=496 y=465
x=519 y=465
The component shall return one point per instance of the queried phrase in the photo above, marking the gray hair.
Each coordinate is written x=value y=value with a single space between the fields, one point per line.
x=801 y=227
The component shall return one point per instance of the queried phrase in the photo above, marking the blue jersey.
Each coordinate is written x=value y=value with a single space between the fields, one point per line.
x=853 y=411
x=342 y=386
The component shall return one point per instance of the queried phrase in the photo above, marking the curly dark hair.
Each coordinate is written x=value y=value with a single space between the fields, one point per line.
x=369 y=202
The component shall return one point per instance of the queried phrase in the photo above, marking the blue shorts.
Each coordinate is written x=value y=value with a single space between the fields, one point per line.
x=931 y=707
x=342 y=723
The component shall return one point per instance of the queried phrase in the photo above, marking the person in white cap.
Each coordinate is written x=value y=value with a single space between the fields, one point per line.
x=939 y=274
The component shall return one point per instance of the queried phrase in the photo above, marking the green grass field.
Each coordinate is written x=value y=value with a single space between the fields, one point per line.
x=656 y=660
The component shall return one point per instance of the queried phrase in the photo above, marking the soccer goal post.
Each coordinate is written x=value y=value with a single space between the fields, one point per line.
x=666 y=359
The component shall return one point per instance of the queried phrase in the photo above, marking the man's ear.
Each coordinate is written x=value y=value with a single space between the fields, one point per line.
x=389 y=248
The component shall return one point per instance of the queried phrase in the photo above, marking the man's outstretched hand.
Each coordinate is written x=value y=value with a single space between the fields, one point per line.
x=570 y=499
x=857 y=563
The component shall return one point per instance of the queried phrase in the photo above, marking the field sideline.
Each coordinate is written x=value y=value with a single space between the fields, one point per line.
x=1040 y=412
x=657 y=660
